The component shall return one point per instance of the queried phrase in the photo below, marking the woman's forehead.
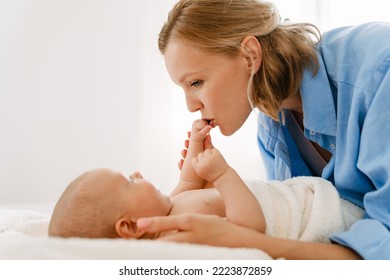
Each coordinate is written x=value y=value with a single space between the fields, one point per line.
x=183 y=60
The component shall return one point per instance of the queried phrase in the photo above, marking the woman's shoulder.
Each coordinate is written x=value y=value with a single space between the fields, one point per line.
x=367 y=36
x=353 y=54
x=374 y=28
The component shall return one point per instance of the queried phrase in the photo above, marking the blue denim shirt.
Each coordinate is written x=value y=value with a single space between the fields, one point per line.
x=346 y=109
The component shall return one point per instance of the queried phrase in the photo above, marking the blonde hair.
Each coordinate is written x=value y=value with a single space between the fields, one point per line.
x=219 y=26
x=84 y=210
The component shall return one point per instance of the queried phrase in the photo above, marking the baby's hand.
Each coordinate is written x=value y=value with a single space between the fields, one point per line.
x=200 y=129
x=210 y=165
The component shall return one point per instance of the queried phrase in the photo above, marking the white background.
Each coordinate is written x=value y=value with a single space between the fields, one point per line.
x=109 y=269
x=83 y=85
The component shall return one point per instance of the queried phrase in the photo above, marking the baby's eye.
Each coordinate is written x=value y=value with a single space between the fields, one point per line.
x=195 y=83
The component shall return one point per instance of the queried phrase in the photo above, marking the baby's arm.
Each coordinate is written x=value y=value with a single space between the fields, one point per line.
x=242 y=208
x=189 y=179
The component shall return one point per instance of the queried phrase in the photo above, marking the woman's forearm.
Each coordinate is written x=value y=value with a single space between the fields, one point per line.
x=214 y=231
x=296 y=250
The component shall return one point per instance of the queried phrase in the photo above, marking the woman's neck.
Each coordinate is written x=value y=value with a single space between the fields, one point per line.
x=294 y=104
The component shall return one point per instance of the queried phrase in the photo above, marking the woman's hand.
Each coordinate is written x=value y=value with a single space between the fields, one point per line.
x=196 y=228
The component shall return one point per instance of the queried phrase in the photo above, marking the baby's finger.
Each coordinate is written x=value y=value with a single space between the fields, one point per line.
x=180 y=164
x=206 y=129
x=183 y=153
x=186 y=143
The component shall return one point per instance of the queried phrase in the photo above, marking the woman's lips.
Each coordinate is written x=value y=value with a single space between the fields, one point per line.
x=211 y=122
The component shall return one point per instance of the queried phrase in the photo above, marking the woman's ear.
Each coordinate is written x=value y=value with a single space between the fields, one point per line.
x=251 y=50
x=126 y=228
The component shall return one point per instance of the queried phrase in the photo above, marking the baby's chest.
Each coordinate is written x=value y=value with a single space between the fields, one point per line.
x=207 y=201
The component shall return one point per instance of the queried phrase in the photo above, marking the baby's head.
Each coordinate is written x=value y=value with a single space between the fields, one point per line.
x=103 y=203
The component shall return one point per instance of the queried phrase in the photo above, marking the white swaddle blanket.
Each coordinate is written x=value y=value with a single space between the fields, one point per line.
x=303 y=208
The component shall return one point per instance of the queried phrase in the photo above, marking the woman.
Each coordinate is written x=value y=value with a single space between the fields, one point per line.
x=323 y=110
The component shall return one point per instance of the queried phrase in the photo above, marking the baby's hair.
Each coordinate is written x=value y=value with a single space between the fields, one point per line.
x=82 y=212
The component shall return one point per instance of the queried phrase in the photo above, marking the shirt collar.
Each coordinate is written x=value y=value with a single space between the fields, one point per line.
x=317 y=101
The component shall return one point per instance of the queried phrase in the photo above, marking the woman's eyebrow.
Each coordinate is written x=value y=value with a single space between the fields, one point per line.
x=186 y=75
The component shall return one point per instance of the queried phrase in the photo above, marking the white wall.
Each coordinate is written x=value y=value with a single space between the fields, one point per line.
x=72 y=81
x=328 y=14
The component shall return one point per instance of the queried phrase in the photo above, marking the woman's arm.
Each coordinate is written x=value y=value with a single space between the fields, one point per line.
x=214 y=231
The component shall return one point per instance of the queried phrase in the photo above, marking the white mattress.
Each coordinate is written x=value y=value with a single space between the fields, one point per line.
x=23 y=236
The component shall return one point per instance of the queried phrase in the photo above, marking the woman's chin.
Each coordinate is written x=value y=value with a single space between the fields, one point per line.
x=226 y=131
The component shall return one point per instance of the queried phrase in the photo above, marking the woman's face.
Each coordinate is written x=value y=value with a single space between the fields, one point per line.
x=215 y=85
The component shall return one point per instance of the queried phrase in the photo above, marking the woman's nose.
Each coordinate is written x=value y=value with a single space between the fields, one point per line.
x=193 y=103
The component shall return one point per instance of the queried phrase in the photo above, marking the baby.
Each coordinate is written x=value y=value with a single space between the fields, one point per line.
x=103 y=203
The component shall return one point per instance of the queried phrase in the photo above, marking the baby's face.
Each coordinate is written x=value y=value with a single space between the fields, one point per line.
x=140 y=197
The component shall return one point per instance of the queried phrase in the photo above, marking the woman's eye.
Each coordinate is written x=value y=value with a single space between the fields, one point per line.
x=195 y=83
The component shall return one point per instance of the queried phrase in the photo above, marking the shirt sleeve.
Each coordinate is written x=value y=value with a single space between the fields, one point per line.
x=367 y=237
x=370 y=237
x=268 y=159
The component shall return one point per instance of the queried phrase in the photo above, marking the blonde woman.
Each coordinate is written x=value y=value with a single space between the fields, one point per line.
x=323 y=105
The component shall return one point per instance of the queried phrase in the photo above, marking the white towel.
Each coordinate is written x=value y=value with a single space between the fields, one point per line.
x=303 y=208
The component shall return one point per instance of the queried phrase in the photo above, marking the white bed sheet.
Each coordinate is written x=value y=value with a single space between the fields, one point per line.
x=41 y=207
x=23 y=236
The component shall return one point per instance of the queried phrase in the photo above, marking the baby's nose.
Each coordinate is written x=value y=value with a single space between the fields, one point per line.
x=136 y=175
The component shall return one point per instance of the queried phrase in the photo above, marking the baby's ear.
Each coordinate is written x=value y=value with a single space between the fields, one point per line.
x=126 y=228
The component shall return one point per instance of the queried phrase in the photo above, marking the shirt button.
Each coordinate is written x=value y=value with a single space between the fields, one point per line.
x=312 y=132
x=332 y=146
